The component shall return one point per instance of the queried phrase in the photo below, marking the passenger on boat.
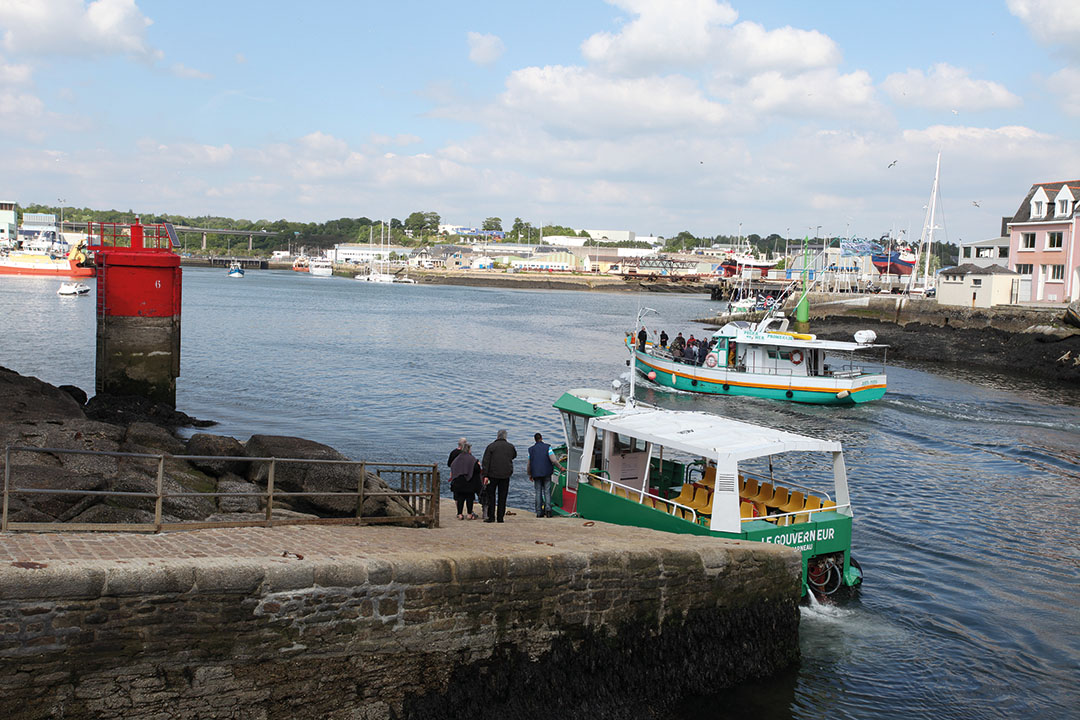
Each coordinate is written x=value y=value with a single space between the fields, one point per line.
x=678 y=345
x=663 y=338
x=703 y=351
x=642 y=338
x=464 y=479
x=690 y=354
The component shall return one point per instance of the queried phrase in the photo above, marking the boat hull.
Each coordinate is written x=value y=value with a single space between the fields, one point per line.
x=892 y=265
x=722 y=381
x=33 y=264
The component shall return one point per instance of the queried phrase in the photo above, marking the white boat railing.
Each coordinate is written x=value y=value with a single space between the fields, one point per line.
x=642 y=494
x=788 y=485
x=808 y=512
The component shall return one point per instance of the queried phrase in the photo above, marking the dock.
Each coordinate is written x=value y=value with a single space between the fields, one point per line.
x=529 y=618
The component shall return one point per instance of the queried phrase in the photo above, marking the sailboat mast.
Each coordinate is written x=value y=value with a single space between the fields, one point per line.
x=930 y=230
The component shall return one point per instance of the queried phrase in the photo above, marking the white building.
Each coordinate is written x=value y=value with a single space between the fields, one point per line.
x=972 y=286
x=365 y=253
x=7 y=223
x=984 y=253
x=612 y=235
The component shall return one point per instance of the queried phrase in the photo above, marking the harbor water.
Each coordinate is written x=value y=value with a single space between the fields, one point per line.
x=966 y=485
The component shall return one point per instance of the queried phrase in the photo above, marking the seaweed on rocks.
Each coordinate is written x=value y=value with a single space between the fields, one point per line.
x=126 y=409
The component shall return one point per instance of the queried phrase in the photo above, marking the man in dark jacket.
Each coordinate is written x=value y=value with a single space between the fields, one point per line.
x=541 y=466
x=498 y=466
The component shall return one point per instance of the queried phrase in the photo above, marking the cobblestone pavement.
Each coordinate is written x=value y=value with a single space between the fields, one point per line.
x=522 y=532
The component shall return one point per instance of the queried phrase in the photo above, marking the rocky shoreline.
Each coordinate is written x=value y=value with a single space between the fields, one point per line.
x=36 y=414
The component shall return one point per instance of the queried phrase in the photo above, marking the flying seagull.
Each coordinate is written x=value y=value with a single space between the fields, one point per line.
x=955 y=112
x=892 y=163
x=976 y=203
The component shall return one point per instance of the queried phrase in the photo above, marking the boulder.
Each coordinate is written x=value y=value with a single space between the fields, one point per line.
x=136 y=479
x=219 y=446
x=126 y=409
x=28 y=507
x=230 y=483
x=304 y=477
x=27 y=398
x=70 y=434
x=76 y=392
x=117 y=514
x=155 y=437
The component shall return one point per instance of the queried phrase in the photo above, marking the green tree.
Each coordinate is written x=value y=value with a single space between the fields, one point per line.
x=492 y=223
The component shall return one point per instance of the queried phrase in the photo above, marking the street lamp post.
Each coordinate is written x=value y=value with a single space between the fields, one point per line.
x=61 y=201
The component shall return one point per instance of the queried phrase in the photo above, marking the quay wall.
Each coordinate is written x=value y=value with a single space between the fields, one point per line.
x=901 y=310
x=569 y=627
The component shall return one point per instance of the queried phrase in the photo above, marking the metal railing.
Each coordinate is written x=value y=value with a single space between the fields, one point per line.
x=643 y=494
x=775 y=518
x=417 y=486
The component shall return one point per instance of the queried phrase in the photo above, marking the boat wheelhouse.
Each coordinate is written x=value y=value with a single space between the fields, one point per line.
x=235 y=269
x=766 y=360
x=702 y=474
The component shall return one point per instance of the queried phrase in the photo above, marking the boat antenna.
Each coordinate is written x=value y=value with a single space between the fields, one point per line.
x=642 y=312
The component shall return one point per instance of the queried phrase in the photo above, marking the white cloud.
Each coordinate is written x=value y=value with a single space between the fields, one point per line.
x=14 y=74
x=823 y=93
x=240 y=58
x=485 y=49
x=665 y=34
x=183 y=71
x=1066 y=82
x=580 y=102
x=1052 y=22
x=749 y=46
x=947 y=87
x=72 y=27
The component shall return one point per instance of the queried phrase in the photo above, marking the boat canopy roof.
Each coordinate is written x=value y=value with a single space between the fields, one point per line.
x=754 y=337
x=709 y=436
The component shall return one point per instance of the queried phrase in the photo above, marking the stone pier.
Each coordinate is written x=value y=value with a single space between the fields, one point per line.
x=531 y=618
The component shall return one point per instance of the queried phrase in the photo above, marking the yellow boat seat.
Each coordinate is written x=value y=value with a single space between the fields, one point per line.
x=780 y=497
x=702 y=502
x=828 y=505
x=765 y=492
x=813 y=502
x=746 y=510
x=749 y=488
x=709 y=478
x=796 y=501
x=685 y=495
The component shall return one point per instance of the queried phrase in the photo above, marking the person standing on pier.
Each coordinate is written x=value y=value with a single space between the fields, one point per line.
x=498 y=466
x=461 y=443
x=464 y=477
x=542 y=463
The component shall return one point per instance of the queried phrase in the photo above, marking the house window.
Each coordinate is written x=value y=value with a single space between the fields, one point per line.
x=1053 y=240
x=1057 y=272
x=967 y=252
x=1027 y=241
x=1003 y=251
x=984 y=252
x=1063 y=207
x=1037 y=208
x=1026 y=269
x=976 y=282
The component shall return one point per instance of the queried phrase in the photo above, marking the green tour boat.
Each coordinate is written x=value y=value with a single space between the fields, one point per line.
x=692 y=472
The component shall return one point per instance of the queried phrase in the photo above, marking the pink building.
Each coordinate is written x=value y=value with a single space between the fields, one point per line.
x=1044 y=246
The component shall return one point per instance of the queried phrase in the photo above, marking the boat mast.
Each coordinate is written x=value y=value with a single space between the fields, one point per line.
x=928 y=231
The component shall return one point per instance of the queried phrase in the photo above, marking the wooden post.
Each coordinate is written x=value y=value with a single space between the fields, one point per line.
x=7 y=487
x=160 y=486
x=270 y=491
x=435 y=495
x=360 y=494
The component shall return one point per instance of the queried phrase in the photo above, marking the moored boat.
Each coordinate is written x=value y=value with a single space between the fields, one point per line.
x=45 y=256
x=235 y=270
x=321 y=267
x=696 y=473
x=73 y=288
x=300 y=264
x=765 y=360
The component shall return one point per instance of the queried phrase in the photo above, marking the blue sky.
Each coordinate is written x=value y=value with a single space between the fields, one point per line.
x=652 y=115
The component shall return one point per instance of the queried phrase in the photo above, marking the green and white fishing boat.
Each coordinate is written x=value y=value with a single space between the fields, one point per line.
x=766 y=360
x=697 y=473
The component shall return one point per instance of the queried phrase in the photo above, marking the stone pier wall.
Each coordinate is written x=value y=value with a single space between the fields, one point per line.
x=447 y=632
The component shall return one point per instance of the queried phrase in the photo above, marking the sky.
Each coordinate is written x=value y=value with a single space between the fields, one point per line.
x=655 y=116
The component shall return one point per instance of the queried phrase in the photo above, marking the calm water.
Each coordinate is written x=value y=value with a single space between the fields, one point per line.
x=966 y=486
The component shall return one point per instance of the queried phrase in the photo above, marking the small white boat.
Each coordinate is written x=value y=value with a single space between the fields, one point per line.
x=235 y=271
x=376 y=277
x=321 y=268
x=73 y=288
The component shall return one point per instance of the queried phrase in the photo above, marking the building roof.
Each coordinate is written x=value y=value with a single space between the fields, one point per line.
x=1052 y=188
x=971 y=269
x=991 y=242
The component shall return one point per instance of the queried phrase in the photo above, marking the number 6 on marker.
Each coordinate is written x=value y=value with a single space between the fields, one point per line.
x=157 y=284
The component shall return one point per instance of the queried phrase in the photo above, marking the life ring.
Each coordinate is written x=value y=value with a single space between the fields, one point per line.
x=710 y=360
x=796 y=357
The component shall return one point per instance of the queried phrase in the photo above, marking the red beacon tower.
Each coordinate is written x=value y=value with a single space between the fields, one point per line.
x=138 y=309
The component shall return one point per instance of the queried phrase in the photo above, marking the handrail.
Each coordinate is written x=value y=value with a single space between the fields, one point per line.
x=777 y=516
x=760 y=479
x=419 y=488
x=644 y=495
